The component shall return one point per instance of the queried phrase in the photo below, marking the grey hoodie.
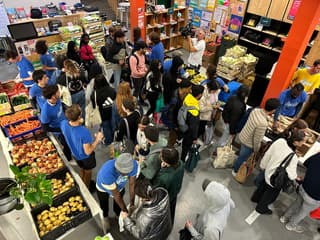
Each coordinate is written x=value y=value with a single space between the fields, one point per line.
x=210 y=224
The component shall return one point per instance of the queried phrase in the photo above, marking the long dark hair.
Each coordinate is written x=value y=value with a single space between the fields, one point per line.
x=296 y=136
x=298 y=124
x=82 y=42
x=176 y=63
x=154 y=68
x=136 y=34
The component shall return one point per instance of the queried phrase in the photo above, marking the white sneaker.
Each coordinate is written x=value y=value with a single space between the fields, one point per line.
x=234 y=174
x=283 y=219
x=294 y=228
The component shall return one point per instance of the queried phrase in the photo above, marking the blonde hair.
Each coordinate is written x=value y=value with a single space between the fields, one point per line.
x=123 y=92
x=71 y=68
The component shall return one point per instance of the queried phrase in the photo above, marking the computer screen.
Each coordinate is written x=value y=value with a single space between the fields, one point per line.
x=23 y=31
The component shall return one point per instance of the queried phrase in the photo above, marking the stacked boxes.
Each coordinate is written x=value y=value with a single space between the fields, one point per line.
x=236 y=64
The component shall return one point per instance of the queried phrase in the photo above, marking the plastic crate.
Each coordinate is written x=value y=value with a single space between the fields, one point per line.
x=23 y=106
x=5 y=108
x=23 y=134
x=75 y=221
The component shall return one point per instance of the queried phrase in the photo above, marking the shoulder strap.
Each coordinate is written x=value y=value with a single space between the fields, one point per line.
x=287 y=160
x=95 y=97
x=127 y=127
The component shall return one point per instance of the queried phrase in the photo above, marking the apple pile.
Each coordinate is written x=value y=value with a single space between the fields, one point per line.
x=26 y=153
x=54 y=217
x=46 y=164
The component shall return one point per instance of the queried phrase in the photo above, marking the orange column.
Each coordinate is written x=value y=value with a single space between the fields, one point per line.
x=299 y=35
x=137 y=17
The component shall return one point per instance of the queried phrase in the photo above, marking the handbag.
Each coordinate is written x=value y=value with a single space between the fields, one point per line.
x=93 y=116
x=127 y=144
x=184 y=234
x=279 y=179
x=208 y=133
x=192 y=158
x=246 y=169
x=65 y=95
x=225 y=157
x=159 y=103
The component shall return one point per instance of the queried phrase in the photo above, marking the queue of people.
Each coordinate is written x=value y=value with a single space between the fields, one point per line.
x=148 y=163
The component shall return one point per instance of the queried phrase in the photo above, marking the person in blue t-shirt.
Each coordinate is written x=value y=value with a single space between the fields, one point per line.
x=291 y=102
x=157 y=51
x=24 y=65
x=35 y=92
x=80 y=142
x=112 y=179
x=46 y=58
x=211 y=74
x=52 y=110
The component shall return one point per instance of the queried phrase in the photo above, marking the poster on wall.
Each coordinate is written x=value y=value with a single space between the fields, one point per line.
x=141 y=18
x=203 y=4
x=235 y=24
x=205 y=25
x=196 y=17
x=193 y=3
x=217 y=15
x=206 y=16
x=26 y=48
x=211 y=5
x=4 y=20
x=294 y=9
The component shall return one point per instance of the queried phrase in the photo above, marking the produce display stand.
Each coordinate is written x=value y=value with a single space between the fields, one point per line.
x=28 y=230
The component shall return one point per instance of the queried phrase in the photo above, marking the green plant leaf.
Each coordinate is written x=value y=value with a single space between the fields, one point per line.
x=33 y=197
x=14 y=169
x=15 y=192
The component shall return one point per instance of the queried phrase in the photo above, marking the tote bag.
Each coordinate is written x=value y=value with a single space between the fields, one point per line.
x=225 y=157
x=93 y=117
x=159 y=103
x=246 y=169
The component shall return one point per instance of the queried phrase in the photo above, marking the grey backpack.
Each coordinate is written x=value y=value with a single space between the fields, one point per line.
x=182 y=117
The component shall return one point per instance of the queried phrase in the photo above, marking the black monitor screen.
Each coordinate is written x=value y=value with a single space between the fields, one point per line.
x=23 y=31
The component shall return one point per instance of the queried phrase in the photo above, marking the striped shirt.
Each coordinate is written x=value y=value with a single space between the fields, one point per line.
x=253 y=131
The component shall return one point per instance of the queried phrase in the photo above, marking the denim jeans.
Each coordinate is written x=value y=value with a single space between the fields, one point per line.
x=301 y=207
x=80 y=98
x=244 y=154
x=107 y=131
x=117 y=78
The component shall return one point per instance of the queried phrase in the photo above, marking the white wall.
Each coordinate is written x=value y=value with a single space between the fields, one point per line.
x=35 y=3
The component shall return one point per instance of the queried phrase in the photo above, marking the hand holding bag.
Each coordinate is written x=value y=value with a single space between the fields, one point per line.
x=279 y=179
x=93 y=116
x=246 y=169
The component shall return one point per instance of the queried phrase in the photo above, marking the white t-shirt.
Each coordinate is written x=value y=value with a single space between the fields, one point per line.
x=195 y=58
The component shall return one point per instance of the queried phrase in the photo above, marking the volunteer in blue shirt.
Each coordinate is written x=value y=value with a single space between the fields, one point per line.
x=157 y=51
x=211 y=74
x=291 y=101
x=111 y=181
x=41 y=80
x=80 y=142
x=24 y=65
x=52 y=111
x=46 y=58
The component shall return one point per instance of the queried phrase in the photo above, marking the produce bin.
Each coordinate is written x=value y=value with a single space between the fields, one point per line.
x=76 y=217
x=23 y=134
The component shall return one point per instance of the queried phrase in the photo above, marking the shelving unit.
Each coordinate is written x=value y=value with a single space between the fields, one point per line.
x=168 y=26
x=269 y=39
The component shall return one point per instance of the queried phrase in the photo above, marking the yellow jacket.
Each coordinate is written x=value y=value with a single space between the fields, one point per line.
x=191 y=101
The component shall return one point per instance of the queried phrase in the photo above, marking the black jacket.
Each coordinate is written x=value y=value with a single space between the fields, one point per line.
x=133 y=121
x=170 y=85
x=102 y=95
x=233 y=111
x=114 y=50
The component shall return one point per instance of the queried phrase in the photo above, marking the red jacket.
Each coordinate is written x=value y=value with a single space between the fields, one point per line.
x=86 y=52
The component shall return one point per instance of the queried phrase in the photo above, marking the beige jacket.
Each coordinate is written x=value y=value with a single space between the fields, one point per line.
x=206 y=107
x=254 y=130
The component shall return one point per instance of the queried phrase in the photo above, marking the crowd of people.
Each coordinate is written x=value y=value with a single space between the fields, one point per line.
x=150 y=164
